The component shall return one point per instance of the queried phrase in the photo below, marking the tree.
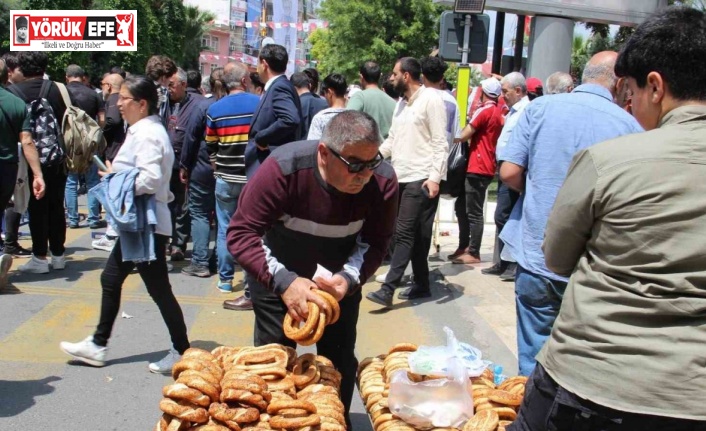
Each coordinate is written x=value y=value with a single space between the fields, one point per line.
x=196 y=23
x=379 y=30
x=579 y=56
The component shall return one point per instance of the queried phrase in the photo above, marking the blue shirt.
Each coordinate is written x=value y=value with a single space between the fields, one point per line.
x=549 y=132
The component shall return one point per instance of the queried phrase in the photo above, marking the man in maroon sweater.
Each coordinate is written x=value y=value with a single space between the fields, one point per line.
x=332 y=203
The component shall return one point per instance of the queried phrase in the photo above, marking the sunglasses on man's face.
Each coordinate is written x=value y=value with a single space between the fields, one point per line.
x=356 y=167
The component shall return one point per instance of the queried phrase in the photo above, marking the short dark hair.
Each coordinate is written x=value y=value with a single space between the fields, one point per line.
x=313 y=75
x=32 y=63
x=118 y=70
x=143 y=88
x=335 y=82
x=193 y=79
x=275 y=56
x=75 y=71
x=671 y=42
x=3 y=72
x=10 y=59
x=300 y=80
x=389 y=88
x=159 y=66
x=256 y=81
x=370 y=71
x=433 y=68
x=411 y=65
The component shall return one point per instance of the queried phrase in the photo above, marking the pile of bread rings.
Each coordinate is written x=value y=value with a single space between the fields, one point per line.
x=313 y=328
x=252 y=389
x=495 y=406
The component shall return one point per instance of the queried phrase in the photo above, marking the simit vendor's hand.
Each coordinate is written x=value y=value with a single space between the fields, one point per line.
x=337 y=286
x=298 y=294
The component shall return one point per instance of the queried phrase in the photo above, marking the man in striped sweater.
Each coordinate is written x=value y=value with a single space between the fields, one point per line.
x=227 y=127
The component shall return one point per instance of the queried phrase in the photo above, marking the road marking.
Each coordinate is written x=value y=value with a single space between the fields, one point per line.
x=37 y=340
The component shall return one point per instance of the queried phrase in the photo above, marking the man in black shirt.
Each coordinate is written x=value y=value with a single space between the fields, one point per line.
x=46 y=215
x=91 y=103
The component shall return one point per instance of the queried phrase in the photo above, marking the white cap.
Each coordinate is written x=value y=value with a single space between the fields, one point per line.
x=491 y=87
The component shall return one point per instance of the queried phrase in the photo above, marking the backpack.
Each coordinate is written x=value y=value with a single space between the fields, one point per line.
x=44 y=126
x=83 y=137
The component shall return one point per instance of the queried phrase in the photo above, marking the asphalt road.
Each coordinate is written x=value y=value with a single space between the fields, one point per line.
x=40 y=389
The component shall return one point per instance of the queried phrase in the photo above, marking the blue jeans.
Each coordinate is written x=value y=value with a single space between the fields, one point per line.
x=202 y=202
x=227 y=195
x=537 y=301
x=94 y=208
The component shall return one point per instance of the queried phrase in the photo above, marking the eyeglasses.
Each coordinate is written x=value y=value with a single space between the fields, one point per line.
x=356 y=167
x=123 y=98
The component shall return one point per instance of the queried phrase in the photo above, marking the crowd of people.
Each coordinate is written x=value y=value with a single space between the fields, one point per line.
x=597 y=218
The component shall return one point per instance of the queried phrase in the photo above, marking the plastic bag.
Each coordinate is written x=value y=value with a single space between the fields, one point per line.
x=433 y=360
x=456 y=168
x=445 y=402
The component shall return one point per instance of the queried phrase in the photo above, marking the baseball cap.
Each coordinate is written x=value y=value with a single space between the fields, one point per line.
x=533 y=84
x=491 y=87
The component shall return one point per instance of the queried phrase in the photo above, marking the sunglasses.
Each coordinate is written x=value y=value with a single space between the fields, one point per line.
x=356 y=167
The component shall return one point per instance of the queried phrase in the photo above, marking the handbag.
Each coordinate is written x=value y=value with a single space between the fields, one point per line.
x=457 y=166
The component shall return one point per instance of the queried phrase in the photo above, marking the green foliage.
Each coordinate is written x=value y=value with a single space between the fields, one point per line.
x=196 y=23
x=379 y=30
x=451 y=74
x=163 y=27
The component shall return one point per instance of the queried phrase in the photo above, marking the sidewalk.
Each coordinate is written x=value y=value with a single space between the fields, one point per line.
x=496 y=303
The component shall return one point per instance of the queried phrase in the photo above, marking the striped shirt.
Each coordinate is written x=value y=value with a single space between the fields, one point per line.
x=290 y=219
x=227 y=128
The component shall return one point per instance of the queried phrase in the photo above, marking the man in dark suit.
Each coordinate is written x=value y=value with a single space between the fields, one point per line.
x=277 y=119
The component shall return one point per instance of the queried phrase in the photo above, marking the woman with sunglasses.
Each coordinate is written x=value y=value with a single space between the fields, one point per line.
x=148 y=149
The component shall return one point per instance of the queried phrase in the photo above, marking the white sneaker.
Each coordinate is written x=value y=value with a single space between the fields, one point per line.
x=85 y=351
x=5 y=264
x=58 y=262
x=104 y=243
x=35 y=266
x=381 y=278
x=164 y=365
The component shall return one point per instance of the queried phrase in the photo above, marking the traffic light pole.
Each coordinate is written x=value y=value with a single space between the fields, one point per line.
x=464 y=73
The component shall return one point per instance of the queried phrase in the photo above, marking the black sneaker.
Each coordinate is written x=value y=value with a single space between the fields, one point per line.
x=382 y=297
x=509 y=274
x=496 y=269
x=196 y=270
x=415 y=292
x=176 y=255
x=17 y=251
x=100 y=224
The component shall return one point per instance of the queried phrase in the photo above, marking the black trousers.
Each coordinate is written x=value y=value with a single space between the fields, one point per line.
x=179 y=208
x=469 y=213
x=548 y=406
x=12 y=227
x=415 y=220
x=47 y=222
x=154 y=275
x=337 y=343
x=505 y=202
x=8 y=179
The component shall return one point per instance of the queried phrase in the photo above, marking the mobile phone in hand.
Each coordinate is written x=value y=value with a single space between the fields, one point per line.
x=97 y=160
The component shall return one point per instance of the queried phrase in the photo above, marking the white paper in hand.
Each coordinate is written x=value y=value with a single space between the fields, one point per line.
x=322 y=272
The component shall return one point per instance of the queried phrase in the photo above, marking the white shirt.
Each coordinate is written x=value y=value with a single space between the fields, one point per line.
x=510 y=120
x=417 y=142
x=148 y=149
x=453 y=127
x=271 y=81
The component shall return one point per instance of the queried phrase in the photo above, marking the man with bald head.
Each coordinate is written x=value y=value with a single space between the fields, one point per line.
x=535 y=161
